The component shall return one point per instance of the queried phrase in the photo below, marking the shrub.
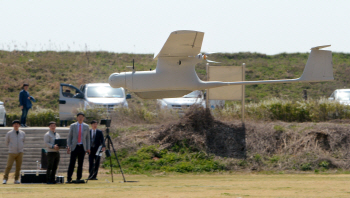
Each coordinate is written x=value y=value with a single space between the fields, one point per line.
x=274 y=159
x=242 y=163
x=36 y=117
x=306 y=167
x=41 y=117
x=324 y=164
x=184 y=167
x=150 y=158
x=279 y=128
x=257 y=158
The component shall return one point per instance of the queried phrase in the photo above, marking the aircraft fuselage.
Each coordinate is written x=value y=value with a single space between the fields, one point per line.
x=173 y=76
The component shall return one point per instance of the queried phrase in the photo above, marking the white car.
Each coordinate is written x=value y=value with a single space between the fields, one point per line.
x=89 y=95
x=2 y=114
x=195 y=97
x=341 y=95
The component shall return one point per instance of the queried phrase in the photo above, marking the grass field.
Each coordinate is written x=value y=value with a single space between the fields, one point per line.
x=189 y=185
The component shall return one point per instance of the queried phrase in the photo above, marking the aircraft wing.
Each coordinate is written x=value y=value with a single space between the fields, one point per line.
x=182 y=43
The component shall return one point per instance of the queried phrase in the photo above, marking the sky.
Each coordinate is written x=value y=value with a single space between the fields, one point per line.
x=139 y=27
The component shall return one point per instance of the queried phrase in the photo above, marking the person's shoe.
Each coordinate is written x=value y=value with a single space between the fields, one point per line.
x=17 y=182
x=68 y=181
x=25 y=125
x=22 y=125
x=94 y=178
x=4 y=182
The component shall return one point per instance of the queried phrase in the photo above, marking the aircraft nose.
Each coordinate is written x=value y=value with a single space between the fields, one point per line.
x=117 y=80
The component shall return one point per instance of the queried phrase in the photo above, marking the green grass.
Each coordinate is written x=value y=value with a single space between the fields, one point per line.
x=151 y=159
x=192 y=185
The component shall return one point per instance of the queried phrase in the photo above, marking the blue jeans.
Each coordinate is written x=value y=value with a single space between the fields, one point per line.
x=24 y=115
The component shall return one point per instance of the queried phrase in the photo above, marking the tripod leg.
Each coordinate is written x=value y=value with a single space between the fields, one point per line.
x=110 y=158
x=115 y=154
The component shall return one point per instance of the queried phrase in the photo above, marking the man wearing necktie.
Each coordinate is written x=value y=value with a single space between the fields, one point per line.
x=78 y=142
x=96 y=141
x=53 y=153
x=14 y=139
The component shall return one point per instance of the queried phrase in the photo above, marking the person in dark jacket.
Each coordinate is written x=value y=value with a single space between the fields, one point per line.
x=25 y=103
x=96 y=137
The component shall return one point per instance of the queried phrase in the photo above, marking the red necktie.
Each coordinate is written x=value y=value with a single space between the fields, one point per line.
x=79 y=135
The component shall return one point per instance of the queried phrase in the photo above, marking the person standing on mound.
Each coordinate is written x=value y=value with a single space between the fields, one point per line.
x=25 y=101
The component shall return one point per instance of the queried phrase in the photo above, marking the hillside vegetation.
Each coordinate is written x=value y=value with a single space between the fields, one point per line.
x=44 y=71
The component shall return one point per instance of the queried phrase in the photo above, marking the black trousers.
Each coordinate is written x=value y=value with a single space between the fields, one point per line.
x=24 y=115
x=79 y=153
x=53 y=158
x=93 y=161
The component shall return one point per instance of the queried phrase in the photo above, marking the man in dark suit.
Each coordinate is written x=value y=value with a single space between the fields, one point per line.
x=96 y=137
x=78 y=142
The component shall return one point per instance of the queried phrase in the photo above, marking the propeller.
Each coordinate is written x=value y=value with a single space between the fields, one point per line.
x=205 y=56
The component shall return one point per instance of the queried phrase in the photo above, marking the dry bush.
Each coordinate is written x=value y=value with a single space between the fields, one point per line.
x=292 y=146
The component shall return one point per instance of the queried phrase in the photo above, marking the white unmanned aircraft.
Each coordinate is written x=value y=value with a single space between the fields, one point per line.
x=175 y=73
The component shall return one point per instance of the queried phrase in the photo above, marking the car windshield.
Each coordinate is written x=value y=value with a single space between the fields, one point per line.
x=343 y=95
x=104 y=92
x=193 y=94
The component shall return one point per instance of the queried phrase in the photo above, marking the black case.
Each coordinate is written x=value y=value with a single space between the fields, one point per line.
x=33 y=176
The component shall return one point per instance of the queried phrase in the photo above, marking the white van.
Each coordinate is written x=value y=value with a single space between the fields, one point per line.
x=89 y=95
x=341 y=95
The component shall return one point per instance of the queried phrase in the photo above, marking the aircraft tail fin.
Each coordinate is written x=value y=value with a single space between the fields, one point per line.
x=319 y=66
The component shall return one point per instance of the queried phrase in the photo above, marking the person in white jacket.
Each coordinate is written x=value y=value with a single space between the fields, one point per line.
x=15 y=142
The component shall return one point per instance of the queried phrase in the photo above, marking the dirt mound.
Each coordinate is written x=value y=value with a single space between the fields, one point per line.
x=200 y=131
x=262 y=145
